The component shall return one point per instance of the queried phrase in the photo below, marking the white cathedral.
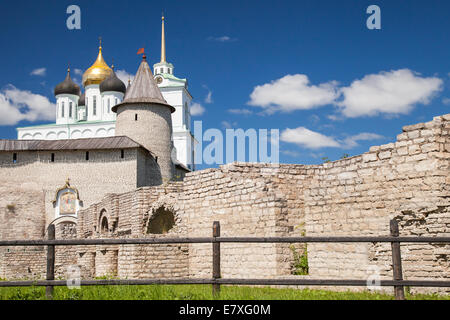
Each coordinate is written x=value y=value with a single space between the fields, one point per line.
x=89 y=115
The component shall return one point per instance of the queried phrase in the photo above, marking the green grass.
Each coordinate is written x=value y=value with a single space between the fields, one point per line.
x=195 y=292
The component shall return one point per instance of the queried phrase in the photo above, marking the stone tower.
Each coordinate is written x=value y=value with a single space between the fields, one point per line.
x=145 y=117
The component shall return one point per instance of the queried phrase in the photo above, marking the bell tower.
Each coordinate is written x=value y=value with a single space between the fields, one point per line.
x=175 y=92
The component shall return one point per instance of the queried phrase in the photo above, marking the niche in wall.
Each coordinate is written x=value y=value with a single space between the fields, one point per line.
x=161 y=221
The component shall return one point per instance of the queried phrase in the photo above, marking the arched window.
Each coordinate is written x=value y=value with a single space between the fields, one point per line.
x=70 y=109
x=94 y=108
x=186 y=114
x=62 y=109
x=109 y=105
x=104 y=225
x=161 y=222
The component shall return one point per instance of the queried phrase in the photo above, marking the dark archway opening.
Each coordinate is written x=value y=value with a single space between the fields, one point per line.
x=161 y=222
x=104 y=226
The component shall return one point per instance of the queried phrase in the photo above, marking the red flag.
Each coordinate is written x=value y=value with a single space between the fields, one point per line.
x=140 y=51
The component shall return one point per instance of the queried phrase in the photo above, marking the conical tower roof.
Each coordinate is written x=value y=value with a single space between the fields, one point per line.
x=143 y=89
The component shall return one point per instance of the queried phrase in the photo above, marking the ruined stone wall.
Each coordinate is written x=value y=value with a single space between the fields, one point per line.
x=245 y=199
x=128 y=215
x=407 y=180
x=23 y=263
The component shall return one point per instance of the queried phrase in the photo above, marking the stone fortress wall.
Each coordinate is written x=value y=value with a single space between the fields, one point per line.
x=407 y=180
x=30 y=184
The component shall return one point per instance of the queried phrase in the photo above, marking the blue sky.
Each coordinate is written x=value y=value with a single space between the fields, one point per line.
x=311 y=69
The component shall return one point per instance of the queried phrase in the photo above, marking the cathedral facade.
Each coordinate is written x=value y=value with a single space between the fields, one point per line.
x=89 y=114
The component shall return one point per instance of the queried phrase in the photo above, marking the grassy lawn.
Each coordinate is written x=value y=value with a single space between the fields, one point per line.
x=194 y=292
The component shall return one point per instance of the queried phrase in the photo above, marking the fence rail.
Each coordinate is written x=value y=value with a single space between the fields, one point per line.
x=397 y=282
x=75 y=242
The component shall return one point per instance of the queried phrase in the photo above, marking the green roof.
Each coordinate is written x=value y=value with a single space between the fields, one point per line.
x=163 y=64
x=171 y=77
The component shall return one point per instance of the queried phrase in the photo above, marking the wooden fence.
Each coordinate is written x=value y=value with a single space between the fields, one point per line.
x=397 y=281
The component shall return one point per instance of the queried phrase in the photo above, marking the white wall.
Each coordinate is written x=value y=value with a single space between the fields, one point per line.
x=64 y=100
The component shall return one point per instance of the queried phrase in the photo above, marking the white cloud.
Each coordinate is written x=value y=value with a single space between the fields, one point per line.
x=240 y=111
x=124 y=76
x=334 y=117
x=222 y=39
x=291 y=153
x=77 y=81
x=352 y=141
x=307 y=138
x=393 y=92
x=446 y=101
x=228 y=125
x=17 y=105
x=314 y=119
x=293 y=92
x=208 y=98
x=39 y=72
x=78 y=71
x=315 y=140
x=197 y=109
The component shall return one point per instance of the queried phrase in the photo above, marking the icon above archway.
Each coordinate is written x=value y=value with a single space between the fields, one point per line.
x=67 y=201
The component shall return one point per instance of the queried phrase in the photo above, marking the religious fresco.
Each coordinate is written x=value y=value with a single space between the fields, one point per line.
x=68 y=203
x=66 y=200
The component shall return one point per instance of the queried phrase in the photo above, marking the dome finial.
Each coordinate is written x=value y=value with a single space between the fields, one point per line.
x=100 y=43
x=163 y=41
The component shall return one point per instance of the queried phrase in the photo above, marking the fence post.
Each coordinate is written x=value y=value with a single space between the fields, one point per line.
x=216 y=258
x=50 y=261
x=397 y=261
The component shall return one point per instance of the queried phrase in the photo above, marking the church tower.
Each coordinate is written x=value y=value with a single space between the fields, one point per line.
x=145 y=117
x=175 y=92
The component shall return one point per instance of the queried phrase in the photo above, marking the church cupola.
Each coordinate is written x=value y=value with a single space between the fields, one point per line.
x=67 y=86
x=82 y=101
x=95 y=107
x=98 y=72
x=112 y=83
x=112 y=90
x=67 y=94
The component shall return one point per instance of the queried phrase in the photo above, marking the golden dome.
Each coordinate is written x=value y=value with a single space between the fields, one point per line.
x=98 y=72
